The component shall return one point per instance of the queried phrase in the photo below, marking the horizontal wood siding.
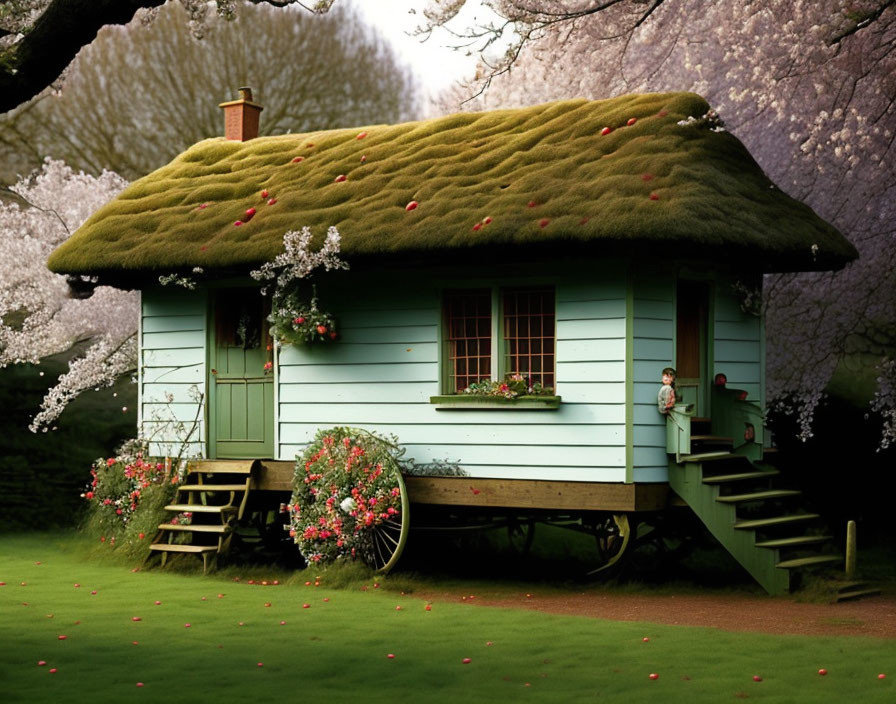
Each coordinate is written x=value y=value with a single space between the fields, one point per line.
x=172 y=362
x=386 y=365
x=654 y=349
x=738 y=343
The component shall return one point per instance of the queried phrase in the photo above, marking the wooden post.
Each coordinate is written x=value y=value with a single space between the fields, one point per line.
x=851 y=550
x=167 y=468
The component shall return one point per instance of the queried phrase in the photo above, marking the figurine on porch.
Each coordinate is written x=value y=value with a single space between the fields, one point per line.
x=666 y=397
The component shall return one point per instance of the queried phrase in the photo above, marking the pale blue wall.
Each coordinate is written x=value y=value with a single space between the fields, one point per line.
x=383 y=371
x=653 y=349
x=739 y=342
x=172 y=361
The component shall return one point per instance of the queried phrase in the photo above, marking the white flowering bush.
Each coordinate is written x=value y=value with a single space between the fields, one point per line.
x=39 y=314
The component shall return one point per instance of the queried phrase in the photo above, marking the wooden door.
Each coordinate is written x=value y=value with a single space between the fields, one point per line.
x=691 y=360
x=241 y=377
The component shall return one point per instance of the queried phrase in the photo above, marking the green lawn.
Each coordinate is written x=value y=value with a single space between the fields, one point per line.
x=258 y=643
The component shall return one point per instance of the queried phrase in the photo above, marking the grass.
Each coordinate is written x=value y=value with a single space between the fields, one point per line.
x=337 y=649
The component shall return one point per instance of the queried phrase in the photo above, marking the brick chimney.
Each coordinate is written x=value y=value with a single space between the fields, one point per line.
x=241 y=117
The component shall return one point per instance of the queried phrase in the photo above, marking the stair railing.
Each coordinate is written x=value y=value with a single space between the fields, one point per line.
x=678 y=430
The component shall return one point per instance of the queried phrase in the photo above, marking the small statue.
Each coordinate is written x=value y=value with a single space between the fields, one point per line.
x=666 y=397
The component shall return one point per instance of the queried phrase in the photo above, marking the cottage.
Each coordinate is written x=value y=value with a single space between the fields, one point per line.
x=583 y=245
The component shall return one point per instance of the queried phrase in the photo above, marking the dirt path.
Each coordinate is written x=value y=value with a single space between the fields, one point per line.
x=874 y=616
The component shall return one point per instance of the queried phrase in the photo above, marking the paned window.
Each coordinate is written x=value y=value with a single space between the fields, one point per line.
x=529 y=334
x=469 y=322
x=523 y=343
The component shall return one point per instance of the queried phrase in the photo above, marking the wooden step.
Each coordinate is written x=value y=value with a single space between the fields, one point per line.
x=212 y=487
x=794 y=542
x=222 y=466
x=712 y=439
x=200 y=508
x=776 y=521
x=743 y=476
x=857 y=594
x=708 y=456
x=809 y=561
x=758 y=496
x=195 y=528
x=700 y=419
x=173 y=547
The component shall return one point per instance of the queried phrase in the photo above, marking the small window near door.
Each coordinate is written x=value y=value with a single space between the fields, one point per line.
x=241 y=319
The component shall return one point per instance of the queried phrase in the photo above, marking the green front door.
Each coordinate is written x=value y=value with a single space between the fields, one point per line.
x=241 y=379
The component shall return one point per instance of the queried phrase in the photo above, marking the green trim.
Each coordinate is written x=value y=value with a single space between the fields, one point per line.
x=629 y=377
x=473 y=402
x=211 y=392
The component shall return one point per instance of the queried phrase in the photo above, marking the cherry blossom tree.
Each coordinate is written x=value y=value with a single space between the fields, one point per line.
x=41 y=313
x=40 y=38
x=808 y=86
x=138 y=96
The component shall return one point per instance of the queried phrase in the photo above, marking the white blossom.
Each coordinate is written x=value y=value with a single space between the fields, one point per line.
x=38 y=314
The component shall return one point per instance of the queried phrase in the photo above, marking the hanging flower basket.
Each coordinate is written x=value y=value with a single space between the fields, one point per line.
x=349 y=500
x=299 y=321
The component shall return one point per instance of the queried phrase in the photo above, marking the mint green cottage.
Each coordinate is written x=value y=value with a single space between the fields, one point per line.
x=584 y=245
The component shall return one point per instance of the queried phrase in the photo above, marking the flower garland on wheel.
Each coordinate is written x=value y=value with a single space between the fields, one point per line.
x=347 y=487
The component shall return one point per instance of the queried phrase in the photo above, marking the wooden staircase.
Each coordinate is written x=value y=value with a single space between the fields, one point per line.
x=207 y=507
x=763 y=527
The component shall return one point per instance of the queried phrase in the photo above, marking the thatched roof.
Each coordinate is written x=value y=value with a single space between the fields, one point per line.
x=543 y=175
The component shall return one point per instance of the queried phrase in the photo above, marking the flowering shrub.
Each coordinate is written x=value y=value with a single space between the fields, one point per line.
x=127 y=494
x=347 y=486
x=514 y=385
x=298 y=321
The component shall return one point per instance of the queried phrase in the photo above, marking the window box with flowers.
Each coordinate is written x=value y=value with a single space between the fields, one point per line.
x=500 y=349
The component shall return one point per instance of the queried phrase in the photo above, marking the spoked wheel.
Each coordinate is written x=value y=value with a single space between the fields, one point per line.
x=613 y=537
x=389 y=537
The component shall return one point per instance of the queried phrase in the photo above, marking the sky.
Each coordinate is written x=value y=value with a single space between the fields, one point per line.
x=436 y=64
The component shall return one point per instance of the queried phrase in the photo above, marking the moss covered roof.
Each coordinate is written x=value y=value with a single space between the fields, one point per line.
x=550 y=174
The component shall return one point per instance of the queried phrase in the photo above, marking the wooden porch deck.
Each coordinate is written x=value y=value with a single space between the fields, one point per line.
x=274 y=475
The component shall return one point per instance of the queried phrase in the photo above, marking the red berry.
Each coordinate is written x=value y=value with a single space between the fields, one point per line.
x=646 y=177
x=272 y=201
x=238 y=223
x=606 y=130
x=466 y=661
x=363 y=158
x=340 y=178
x=631 y=121
x=411 y=206
x=361 y=135
x=249 y=213
x=654 y=196
x=543 y=222
x=306 y=606
x=757 y=678
x=653 y=676
x=487 y=221
x=822 y=672
x=477 y=226
x=531 y=204
x=298 y=159
x=264 y=194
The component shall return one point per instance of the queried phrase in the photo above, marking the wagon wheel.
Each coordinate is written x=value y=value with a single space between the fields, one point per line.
x=389 y=537
x=613 y=537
